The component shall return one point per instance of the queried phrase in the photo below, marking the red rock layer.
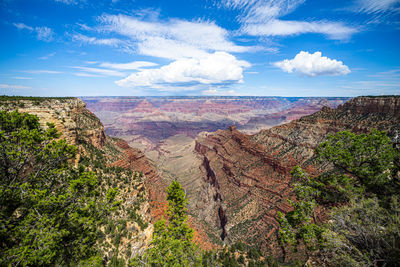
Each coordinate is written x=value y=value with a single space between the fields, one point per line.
x=156 y=186
x=250 y=185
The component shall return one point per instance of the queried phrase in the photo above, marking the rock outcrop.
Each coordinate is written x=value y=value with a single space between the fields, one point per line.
x=69 y=115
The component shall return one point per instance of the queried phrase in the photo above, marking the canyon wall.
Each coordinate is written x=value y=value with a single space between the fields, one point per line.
x=247 y=177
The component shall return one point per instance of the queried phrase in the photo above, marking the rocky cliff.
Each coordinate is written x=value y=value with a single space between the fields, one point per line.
x=247 y=177
x=128 y=231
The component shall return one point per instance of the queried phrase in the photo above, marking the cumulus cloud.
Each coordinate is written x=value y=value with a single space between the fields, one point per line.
x=313 y=65
x=262 y=18
x=219 y=68
x=172 y=39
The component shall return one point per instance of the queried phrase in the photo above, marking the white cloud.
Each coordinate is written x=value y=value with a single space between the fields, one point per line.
x=220 y=93
x=171 y=39
x=99 y=71
x=260 y=11
x=22 y=26
x=42 y=33
x=313 y=65
x=22 y=78
x=93 y=40
x=390 y=74
x=84 y=26
x=210 y=92
x=376 y=6
x=42 y=71
x=84 y=74
x=135 y=65
x=275 y=27
x=13 y=86
x=69 y=2
x=262 y=18
x=219 y=68
x=47 y=56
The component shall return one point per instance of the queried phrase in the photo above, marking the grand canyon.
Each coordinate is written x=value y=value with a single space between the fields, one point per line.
x=235 y=168
x=233 y=155
x=238 y=133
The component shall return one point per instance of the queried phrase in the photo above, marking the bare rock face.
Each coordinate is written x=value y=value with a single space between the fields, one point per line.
x=245 y=187
x=69 y=115
x=366 y=105
x=247 y=177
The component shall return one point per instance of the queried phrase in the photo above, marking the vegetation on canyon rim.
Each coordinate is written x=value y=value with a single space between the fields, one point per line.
x=50 y=211
x=360 y=193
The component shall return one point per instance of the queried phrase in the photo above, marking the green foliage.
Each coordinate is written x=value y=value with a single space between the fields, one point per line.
x=364 y=186
x=172 y=243
x=49 y=211
x=369 y=157
x=370 y=230
x=31 y=98
x=299 y=225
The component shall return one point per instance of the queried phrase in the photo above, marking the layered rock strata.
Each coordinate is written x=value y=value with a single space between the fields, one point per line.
x=247 y=177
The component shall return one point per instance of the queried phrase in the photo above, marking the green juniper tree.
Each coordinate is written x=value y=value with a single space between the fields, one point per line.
x=361 y=191
x=49 y=210
x=172 y=243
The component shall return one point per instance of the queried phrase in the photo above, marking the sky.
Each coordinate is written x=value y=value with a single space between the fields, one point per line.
x=195 y=47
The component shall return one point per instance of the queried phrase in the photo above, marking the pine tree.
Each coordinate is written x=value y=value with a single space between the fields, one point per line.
x=172 y=243
x=49 y=210
x=361 y=191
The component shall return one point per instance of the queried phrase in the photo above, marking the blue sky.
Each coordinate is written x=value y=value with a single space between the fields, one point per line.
x=194 y=47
